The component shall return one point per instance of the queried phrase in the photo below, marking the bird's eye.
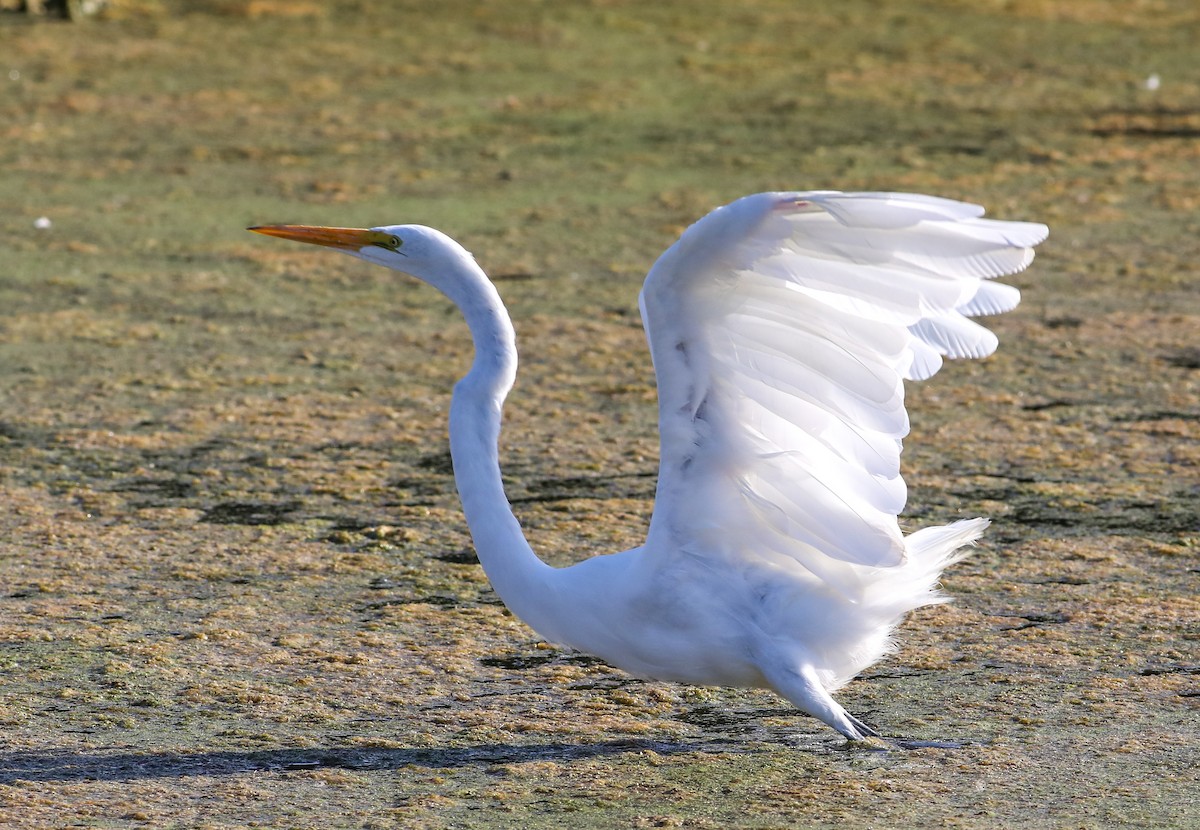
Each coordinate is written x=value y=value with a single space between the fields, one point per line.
x=389 y=242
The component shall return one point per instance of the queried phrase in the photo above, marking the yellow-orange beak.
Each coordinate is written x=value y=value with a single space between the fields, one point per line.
x=347 y=239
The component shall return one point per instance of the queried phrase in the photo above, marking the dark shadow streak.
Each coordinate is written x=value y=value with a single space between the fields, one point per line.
x=65 y=765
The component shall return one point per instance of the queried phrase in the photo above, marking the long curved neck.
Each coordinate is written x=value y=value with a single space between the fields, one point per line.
x=517 y=575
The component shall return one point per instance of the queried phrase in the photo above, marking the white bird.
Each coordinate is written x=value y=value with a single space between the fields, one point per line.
x=781 y=328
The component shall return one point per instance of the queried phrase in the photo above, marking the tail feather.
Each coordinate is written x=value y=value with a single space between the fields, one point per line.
x=929 y=551
x=940 y=546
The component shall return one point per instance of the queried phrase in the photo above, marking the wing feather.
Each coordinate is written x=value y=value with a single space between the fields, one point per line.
x=782 y=327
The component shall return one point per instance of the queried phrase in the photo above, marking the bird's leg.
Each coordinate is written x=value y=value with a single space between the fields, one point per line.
x=802 y=687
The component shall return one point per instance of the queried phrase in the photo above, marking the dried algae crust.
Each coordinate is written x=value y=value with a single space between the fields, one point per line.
x=235 y=588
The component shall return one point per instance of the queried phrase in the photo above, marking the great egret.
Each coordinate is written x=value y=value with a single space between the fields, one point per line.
x=781 y=328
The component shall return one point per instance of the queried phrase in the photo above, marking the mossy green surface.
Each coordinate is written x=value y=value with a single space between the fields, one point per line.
x=235 y=585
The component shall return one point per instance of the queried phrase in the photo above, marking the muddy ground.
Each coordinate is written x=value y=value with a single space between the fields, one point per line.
x=235 y=585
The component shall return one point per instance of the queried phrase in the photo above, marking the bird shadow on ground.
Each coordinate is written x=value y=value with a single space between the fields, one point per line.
x=59 y=765
x=117 y=765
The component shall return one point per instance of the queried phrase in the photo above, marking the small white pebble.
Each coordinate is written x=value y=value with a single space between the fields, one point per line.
x=42 y=223
x=1152 y=83
x=14 y=74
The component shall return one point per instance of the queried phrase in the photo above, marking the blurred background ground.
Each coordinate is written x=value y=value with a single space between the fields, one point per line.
x=235 y=587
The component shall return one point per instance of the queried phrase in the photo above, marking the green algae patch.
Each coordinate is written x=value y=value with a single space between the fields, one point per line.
x=235 y=585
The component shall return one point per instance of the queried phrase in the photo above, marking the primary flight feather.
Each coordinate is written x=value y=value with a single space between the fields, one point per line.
x=782 y=327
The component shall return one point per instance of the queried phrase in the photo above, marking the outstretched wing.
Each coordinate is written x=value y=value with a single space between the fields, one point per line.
x=782 y=327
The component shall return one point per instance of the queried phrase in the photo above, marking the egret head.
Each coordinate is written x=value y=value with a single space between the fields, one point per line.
x=425 y=253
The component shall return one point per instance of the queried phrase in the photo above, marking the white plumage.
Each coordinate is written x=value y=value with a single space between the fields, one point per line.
x=781 y=328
